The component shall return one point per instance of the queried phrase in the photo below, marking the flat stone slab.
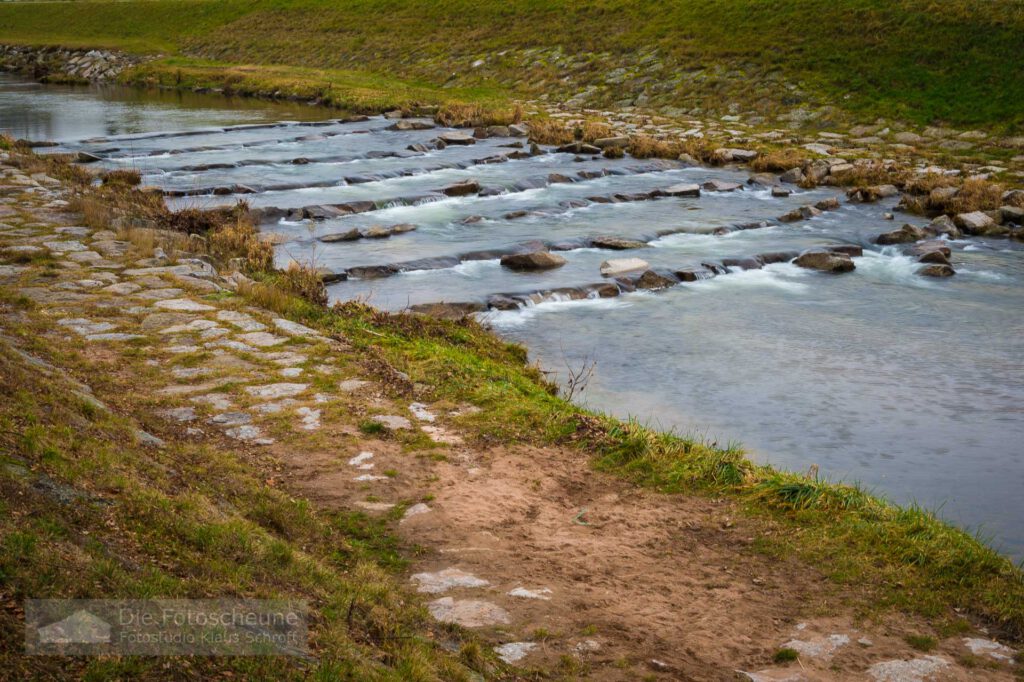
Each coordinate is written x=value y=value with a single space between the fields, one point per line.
x=244 y=322
x=294 y=328
x=286 y=358
x=178 y=414
x=364 y=478
x=514 y=651
x=540 y=593
x=113 y=336
x=274 y=391
x=83 y=326
x=193 y=326
x=914 y=670
x=990 y=648
x=261 y=339
x=183 y=305
x=352 y=385
x=65 y=247
x=160 y=294
x=291 y=372
x=231 y=419
x=309 y=418
x=362 y=461
x=392 y=421
x=420 y=411
x=620 y=266
x=249 y=434
x=819 y=647
x=215 y=400
x=276 y=407
x=376 y=506
x=470 y=613
x=122 y=288
x=448 y=579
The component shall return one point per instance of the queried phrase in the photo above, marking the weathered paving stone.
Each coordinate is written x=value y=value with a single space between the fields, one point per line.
x=276 y=407
x=470 y=613
x=818 y=647
x=122 y=288
x=230 y=419
x=393 y=422
x=309 y=418
x=244 y=322
x=990 y=648
x=274 y=391
x=420 y=411
x=186 y=389
x=216 y=401
x=155 y=321
x=447 y=579
x=249 y=434
x=286 y=358
x=83 y=326
x=523 y=593
x=65 y=247
x=291 y=372
x=178 y=414
x=294 y=328
x=160 y=294
x=183 y=305
x=113 y=336
x=352 y=385
x=261 y=339
x=12 y=270
x=188 y=327
x=514 y=651
x=914 y=670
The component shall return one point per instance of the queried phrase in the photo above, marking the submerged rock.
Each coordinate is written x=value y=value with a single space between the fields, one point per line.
x=616 y=243
x=683 y=189
x=456 y=138
x=937 y=270
x=461 y=189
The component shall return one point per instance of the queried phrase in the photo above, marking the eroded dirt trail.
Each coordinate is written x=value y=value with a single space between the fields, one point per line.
x=559 y=567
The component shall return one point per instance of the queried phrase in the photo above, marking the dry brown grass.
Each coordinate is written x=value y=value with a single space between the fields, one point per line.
x=924 y=184
x=238 y=238
x=975 y=195
x=647 y=147
x=778 y=160
x=123 y=176
x=550 y=131
x=459 y=115
x=305 y=280
x=866 y=175
x=595 y=130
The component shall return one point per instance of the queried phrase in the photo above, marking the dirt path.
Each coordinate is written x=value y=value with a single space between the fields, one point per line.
x=559 y=567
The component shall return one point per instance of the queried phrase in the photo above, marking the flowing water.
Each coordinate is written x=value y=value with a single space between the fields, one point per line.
x=912 y=386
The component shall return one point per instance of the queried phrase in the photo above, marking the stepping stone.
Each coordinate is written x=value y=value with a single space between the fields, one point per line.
x=244 y=322
x=309 y=417
x=83 y=326
x=122 y=288
x=181 y=348
x=523 y=593
x=914 y=670
x=281 y=390
x=819 y=647
x=262 y=339
x=514 y=651
x=74 y=231
x=12 y=270
x=990 y=648
x=249 y=434
x=448 y=579
x=420 y=411
x=185 y=389
x=26 y=249
x=286 y=358
x=193 y=326
x=470 y=613
x=415 y=510
x=155 y=321
x=230 y=419
x=84 y=257
x=295 y=329
x=230 y=344
x=65 y=247
x=90 y=283
x=115 y=336
x=213 y=333
x=369 y=477
x=352 y=385
x=183 y=305
x=178 y=414
x=393 y=422
x=291 y=372
x=215 y=400
x=161 y=294
x=362 y=461
x=276 y=407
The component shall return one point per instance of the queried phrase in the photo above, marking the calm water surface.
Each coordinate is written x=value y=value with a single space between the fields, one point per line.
x=913 y=386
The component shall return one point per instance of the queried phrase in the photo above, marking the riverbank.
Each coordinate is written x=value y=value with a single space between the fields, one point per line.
x=450 y=410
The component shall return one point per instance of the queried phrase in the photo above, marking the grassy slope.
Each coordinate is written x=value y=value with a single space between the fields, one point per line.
x=923 y=60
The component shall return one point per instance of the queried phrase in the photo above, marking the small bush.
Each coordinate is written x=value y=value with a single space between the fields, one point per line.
x=647 y=147
x=786 y=655
x=459 y=115
x=614 y=152
x=550 y=131
x=921 y=642
x=305 y=281
x=975 y=195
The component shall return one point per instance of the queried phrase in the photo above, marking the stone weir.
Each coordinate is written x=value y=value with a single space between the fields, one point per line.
x=63 y=64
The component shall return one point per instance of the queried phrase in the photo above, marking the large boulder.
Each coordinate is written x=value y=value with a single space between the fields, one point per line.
x=905 y=235
x=535 y=260
x=975 y=222
x=619 y=266
x=934 y=256
x=793 y=176
x=825 y=261
x=944 y=225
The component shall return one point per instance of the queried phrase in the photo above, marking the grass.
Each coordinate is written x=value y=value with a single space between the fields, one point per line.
x=785 y=655
x=916 y=60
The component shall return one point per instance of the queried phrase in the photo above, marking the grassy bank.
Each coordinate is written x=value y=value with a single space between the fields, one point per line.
x=917 y=60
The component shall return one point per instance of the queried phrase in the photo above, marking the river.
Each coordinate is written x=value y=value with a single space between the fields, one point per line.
x=910 y=385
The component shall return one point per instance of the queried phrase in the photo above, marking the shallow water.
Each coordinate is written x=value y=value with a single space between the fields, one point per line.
x=910 y=385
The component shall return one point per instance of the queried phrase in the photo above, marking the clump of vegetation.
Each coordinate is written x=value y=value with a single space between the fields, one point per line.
x=975 y=194
x=785 y=655
x=462 y=115
x=122 y=176
x=305 y=281
x=550 y=131
x=647 y=147
x=921 y=642
x=778 y=160
x=613 y=152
